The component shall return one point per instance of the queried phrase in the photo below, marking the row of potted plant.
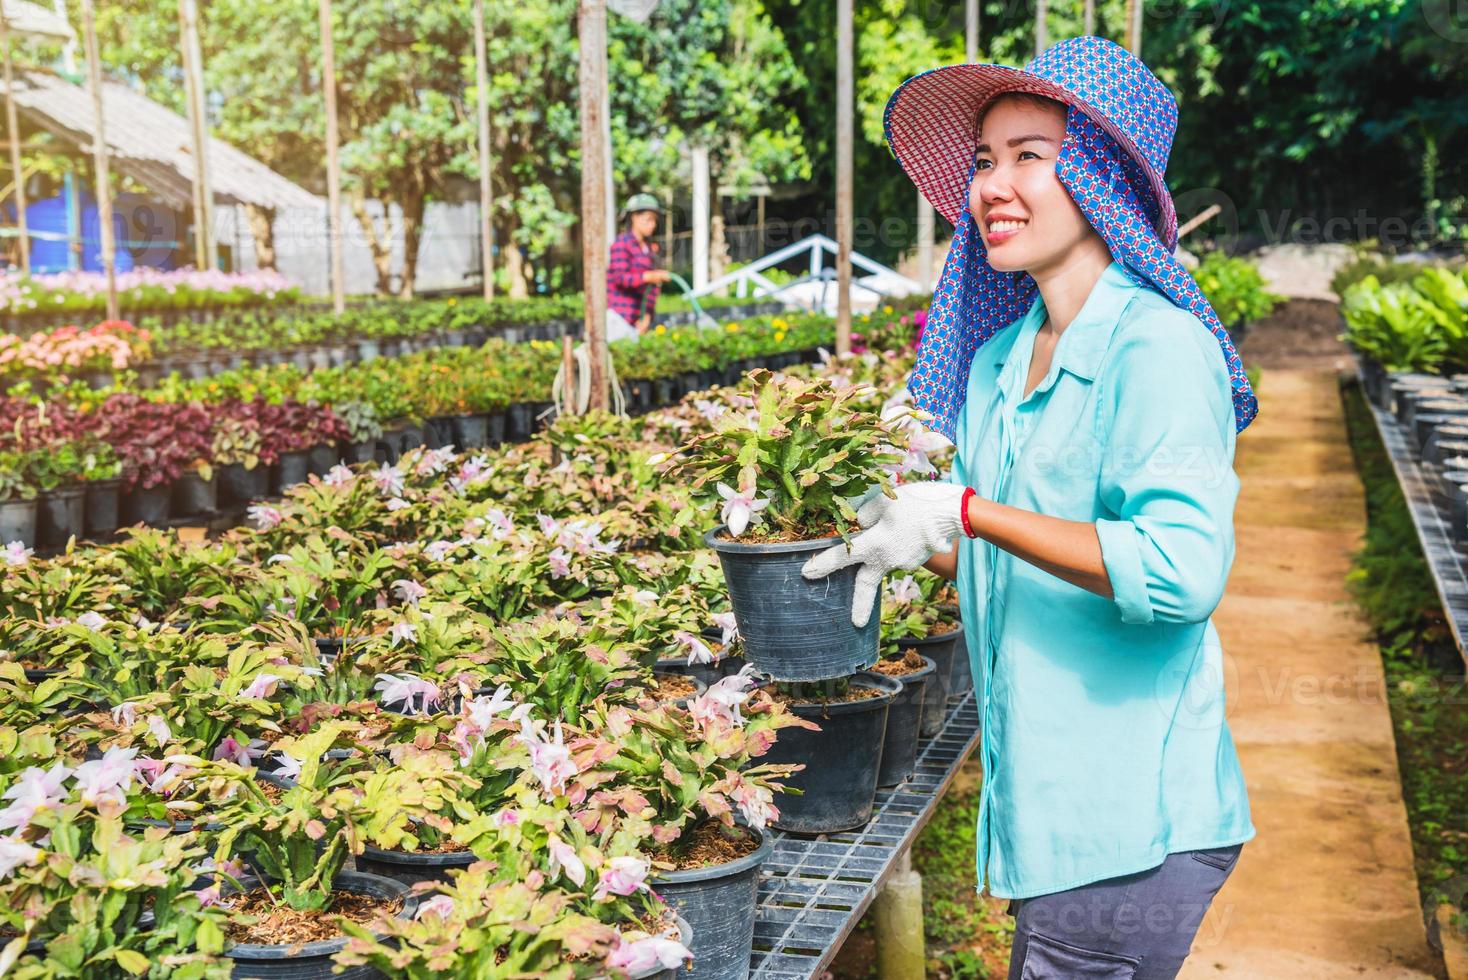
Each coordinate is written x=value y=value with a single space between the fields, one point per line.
x=1418 y=325
x=37 y=299
x=447 y=662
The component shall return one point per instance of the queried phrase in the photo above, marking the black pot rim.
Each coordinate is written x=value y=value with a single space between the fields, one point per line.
x=449 y=859
x=712 y=539
x=323 y=947
x=753 y=859
x=932 y=639
x=889 y=686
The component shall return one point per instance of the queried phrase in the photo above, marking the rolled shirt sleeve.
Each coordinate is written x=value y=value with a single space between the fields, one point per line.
x=1168 y=425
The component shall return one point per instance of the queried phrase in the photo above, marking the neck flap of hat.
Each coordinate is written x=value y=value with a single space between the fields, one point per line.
x=973 y=300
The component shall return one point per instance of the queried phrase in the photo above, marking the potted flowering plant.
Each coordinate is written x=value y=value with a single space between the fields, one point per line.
x=18 y=506
x=922 y=615
x=156 y=442
x=787 y=471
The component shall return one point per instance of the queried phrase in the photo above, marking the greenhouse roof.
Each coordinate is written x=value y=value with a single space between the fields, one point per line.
x=151 y=144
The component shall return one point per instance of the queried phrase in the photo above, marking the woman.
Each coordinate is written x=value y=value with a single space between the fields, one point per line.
x=1094 y=400
x=633 y=280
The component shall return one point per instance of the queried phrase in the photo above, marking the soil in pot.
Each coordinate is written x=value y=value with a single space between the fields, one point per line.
x=794 y=629
x=192 y=494
x=673 y=686
x=18 y=522
x=839 y=782
x=941 y=648
x=286 y=943
x=905 y=717
x=60 y=514
x=713 y=882
x=102 y=507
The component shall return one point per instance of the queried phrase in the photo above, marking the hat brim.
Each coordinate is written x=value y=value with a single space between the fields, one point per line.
x=931 y=124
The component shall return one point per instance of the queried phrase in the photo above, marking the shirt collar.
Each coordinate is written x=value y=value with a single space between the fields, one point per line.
x=1083 y=344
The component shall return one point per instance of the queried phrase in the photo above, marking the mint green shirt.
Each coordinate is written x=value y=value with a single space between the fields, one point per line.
x=1105 y=744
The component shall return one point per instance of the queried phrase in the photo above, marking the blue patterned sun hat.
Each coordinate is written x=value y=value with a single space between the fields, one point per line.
x=1120 y=120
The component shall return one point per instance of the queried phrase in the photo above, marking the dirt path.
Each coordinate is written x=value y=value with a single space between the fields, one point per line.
x=1327 y=889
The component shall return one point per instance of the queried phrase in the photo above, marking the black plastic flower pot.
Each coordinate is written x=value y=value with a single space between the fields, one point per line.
x=291 y=469
x=60 y=514
x=794 y=629
x=690 y=381
x=663 y=392
x=470 y=431
x=18 y=522
x=904 y=725
x=412 y=438
x=102 y=511
x=644 y=395
x=520 y=422
x=719 y=905
x=703 y=673
x=438 y=431
x=321 y=457
x=308 y=961
x=942 y=649
x=680 y=668
x=359 y=452
x=238 y=485
x=839 y=782
x=410 y=867
x=150 y=506
x=192 y=494
x=494 y=428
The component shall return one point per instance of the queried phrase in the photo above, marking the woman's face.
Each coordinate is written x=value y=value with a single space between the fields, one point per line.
x=1025 y=215
x=644 y=223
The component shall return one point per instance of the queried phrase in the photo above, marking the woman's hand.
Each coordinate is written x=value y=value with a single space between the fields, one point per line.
x=900 y=533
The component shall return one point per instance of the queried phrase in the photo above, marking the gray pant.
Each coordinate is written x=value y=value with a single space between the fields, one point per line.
x=1137 y=927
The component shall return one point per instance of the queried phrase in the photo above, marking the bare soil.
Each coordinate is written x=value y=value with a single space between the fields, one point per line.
x=279 y=925
x=711 y=843
x=908 y=662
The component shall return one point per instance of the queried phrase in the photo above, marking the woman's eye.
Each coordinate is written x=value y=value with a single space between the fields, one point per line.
x=983 y=164
x=1028 y=153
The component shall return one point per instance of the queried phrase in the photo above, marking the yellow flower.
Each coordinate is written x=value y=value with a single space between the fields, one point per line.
x=732 y=327
x=886 y=309
x=455 y=302
x=662 y=328
x=780 y=337
x=779 y=324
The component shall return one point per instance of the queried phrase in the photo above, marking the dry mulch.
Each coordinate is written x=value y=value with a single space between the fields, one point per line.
x=771 y=536
x=672 y=687
x=280 y=925
x=710 y=844
x=908 y=662
x=808 y=694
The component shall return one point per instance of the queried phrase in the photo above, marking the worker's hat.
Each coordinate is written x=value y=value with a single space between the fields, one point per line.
x=640 y=202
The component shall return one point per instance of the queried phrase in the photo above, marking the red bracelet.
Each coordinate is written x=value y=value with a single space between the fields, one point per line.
x=968 y=494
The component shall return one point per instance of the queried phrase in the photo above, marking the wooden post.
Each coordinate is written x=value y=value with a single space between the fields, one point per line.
x=971 y=31
x=333 y=166
x=926 y=222
x=205 y=253
x=486 y=192
x=13 y=127
x=100 y=156
x=569 y=388
x=592 y=29
x=897 y=914
x=1042 y=34
x=1088 y=17
x=759 y=224
x=845 y=130
x=1134 y=27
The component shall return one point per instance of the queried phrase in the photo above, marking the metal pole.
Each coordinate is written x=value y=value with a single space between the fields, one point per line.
x=205 y=253
x=15 y=162
x=845 y=131
x=971 y=31
x=100 y=154
x=486 y=192
x=333 y=167
x=700 y=216
x=592 y=28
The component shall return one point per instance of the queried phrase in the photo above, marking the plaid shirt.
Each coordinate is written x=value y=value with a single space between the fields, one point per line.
x=626 y=292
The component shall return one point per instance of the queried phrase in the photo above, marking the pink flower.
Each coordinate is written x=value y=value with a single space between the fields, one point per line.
x=905 y=591
x=508 y=817
x=125 y=714
x=439 y=550
x=263 y=686
x=564 y=860
x=643 y=955
x=724 y=698
x=264 y=517
x=439 y=905
x=404 y=688
x=482 y=710
x=14 y=854
x=550 y=760
x=549 y=526
x=289 y=768
x=93 y=621
x=35 y=791
x=756 y=803
x=698 y=651
x=725 y=621
x=740 y=508
x=106 y=780
x=389 y=481
x=337 y=476
x=623 y=875
x=158 y=725
x=233 y=751
x=16 y=554
x=402 y=633
x=408 y=591
x=560 y=563
x=396 y=504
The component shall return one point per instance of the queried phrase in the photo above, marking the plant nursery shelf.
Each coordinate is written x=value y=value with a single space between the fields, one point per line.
x=813 y=890
x=1432 y=516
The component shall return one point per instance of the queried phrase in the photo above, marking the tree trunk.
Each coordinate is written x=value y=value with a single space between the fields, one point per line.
x=263 y=232
x=379 y=243
x=514 y=264
x=718 y=242
x=412 y=208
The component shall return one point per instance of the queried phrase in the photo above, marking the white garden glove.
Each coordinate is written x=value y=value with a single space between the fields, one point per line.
x=901 y=533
